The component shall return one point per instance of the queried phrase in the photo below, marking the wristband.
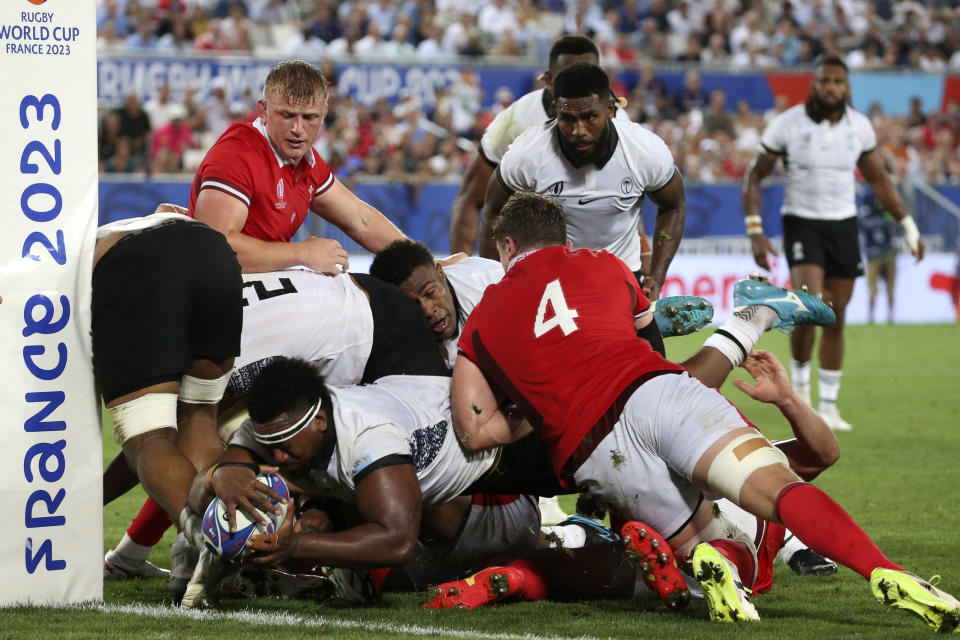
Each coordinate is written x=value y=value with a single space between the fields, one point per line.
x=911 y=235
x=754 y=224
x=208 y=479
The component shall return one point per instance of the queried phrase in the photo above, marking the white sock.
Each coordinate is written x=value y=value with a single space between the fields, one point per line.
x=570 y=536
x=739 y=334
x=791 y=544
x=134 y=554
x=800 y=376
x=829 y=388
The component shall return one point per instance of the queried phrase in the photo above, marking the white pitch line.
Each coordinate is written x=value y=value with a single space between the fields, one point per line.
x=274 y=619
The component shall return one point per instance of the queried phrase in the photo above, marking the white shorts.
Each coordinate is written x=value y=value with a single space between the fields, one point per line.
x=494 y=533
x=644 y=466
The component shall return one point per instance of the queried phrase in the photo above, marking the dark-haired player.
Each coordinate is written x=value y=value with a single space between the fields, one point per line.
x=599 y=168
x=822 y=144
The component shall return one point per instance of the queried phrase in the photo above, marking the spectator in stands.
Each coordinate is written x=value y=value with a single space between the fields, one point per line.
x=110 y=13
x=170 y=141
x=159 y=107
x=715 y=54
x=218 y=116
x=877 y=233
x=142 y=39
x=692 y=96
x=715 y=117
x=135 y=127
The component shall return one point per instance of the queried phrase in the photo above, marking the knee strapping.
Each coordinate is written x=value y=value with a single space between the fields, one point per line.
x=737 y=460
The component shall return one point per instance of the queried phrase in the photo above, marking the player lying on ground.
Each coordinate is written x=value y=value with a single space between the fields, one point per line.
x=449 y=289
x=557 y=336
x=586 y=559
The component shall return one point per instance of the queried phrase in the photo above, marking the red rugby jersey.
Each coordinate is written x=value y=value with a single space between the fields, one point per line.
x=243 y=164
x=557 y=335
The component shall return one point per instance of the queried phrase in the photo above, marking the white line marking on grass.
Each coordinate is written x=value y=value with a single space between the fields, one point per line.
x=274 y=619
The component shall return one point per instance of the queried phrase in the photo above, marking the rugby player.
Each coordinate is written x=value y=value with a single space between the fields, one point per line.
x=557 y=337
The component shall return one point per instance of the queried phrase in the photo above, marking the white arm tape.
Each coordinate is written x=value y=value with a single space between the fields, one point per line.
x=911 y=235
x=141 y=415
x=203 y=391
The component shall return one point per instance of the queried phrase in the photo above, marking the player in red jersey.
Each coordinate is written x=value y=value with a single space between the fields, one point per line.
x=555 y=336
x=259 y=180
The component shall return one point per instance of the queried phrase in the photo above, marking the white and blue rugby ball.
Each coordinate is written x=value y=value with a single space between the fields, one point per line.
x=216 y=527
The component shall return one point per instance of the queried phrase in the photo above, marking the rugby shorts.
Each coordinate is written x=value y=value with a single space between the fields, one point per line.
x=831 y=244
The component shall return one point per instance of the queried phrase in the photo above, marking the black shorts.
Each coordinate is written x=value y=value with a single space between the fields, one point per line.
x=403 y=343
x=162 y=298
x=831 y=244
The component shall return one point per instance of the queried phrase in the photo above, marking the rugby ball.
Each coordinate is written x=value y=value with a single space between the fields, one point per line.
x=216 y=527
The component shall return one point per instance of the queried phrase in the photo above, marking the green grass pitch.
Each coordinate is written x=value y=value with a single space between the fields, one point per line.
x=899 y=476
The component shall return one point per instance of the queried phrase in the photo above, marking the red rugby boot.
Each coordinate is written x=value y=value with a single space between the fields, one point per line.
x=521 y=580
x=648 y=551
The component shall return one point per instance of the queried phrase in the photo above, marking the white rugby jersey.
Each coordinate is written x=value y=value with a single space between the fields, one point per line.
x=397 y=415
x=602 y=203
x=820 y=160
x=303 y=314
x=469 y=278
x=142 y=222
x=523 y=113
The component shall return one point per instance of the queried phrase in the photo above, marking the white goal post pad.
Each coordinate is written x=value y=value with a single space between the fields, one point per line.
x=50 y=484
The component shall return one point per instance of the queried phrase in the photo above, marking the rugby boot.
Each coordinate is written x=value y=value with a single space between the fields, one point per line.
x=792 y=307
x=722 y=589
x=807 y=562
x=648 y=551
x=116 y=567
x=902 y=590
x=521 y=580
x=680 y=315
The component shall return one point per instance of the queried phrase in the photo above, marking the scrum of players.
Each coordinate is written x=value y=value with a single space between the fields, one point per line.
x=419 y=413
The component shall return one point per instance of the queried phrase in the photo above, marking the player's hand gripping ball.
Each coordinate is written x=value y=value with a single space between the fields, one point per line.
x=216 y=527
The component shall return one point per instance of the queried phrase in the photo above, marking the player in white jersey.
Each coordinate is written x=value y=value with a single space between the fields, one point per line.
x=599 y=169
x=822 y=143
x=387 y=448
x=530 y=110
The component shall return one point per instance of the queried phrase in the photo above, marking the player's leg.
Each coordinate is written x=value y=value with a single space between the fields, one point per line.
x=802 y=339
x=890 y=280
x=742 y=466
x=873 y=270
x=837 y=291
x=129 y=558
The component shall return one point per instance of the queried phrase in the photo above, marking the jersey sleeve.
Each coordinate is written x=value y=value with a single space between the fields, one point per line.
x=498 y=135
x=773 y=136
x=517 y=167
x=226 y=168
x=868 y=137
x=324 y=176
x=378 y=446
x=465 y=343
x=658 y=167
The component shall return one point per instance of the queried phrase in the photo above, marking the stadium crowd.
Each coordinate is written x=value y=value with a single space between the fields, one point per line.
x=711 y=139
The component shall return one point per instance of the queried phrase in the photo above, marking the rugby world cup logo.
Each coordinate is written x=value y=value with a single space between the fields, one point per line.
x=36 y=2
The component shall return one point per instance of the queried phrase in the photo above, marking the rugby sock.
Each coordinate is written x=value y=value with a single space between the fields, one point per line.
x=829 y=388
x=825 y=527
x=738 y=335
x=149 y=525
x=132 y=553
x=791 y=545
x=740 y=556
x=800 y=378
x=767 y=548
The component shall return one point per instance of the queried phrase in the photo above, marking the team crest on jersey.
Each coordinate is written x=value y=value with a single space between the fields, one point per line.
x=280 y=203
x=626 y=186
x=798 y=250
x=556 y=188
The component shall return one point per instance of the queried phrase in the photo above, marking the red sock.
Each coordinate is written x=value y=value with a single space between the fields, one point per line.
x=767 y=550
x=379 y=576
x=825 y=527
x=738 y=555
x=149 y=525
x=534 y=580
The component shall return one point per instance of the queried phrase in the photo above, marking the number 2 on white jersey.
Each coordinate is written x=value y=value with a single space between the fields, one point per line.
x=562 y=315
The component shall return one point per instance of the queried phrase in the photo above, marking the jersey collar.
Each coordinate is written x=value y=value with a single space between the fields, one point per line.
x=281 y=161
x=520 y=256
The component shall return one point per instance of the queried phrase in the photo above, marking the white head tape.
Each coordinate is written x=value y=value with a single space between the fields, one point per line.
x=292 y=430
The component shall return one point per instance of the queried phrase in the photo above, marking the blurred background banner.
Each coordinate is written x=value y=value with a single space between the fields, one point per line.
x=50 y=486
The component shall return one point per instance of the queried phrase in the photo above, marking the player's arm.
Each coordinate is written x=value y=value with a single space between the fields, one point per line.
x=815 y=447
x=477 y=419
x=761 y=165
x=362 y=222
x=671 y=204
x=228 y=214
x=389 y=503
x=465 y=212
x=871 y=166
x=497 y=195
